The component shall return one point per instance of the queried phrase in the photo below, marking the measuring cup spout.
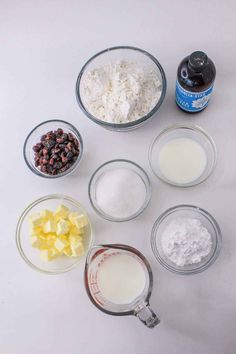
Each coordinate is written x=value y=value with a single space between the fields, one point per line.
x=147 y=315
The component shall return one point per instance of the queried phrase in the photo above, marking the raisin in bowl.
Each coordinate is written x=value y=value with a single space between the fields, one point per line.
x=53 y=149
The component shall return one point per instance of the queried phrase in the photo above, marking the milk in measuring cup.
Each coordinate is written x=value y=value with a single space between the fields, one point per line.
x=121 y=278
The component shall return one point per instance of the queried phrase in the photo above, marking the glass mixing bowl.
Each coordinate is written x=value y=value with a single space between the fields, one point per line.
x=34 y=137
x=110 y=166
x=186 y=211
x=31 y=255
x=114 y=54
x=183 y=131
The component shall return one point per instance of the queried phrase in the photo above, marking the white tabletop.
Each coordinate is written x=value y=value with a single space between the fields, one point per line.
x=43 y=46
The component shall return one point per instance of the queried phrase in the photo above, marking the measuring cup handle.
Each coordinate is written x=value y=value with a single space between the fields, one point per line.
x=147 y=316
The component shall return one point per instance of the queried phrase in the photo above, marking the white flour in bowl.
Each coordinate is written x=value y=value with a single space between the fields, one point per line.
x=120 y=92
x=186 y=241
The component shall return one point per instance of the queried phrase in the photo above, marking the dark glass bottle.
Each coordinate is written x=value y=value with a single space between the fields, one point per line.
x=195 y=78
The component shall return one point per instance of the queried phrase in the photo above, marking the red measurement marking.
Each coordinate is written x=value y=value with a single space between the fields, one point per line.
x=107 y=255
x=97 y=292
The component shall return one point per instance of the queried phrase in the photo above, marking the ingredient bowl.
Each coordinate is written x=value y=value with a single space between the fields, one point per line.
x=34 y=137
x=108 y=186
x=116 y=55
x=31 y=255
x=191 y=212
x=198 y=152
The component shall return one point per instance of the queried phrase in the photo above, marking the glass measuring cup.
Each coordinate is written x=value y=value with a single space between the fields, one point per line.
x=140 y=305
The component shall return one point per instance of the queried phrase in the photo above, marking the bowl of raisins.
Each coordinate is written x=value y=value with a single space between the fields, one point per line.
x=53 y=149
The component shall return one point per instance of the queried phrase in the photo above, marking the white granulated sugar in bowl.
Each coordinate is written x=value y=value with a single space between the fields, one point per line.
x=120 y=92
x=120 y=193
x=186 y=241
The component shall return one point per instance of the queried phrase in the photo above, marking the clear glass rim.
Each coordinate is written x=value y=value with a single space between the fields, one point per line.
x=22 y=218
x=121 y=125
x=209 y=217
x=194 y=128
x=147 y=186
x=72 y=168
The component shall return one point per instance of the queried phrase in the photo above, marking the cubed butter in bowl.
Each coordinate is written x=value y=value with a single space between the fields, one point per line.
x=54 y=234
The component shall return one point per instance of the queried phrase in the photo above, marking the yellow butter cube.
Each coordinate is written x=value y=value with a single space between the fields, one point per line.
x=48 y=254
x=35 y=231
x=67 y=251
x=35 y=220
x=62 y=227
x=35 y=241
x=49 y=226
x=75 y=240
x=51 y=240
x=42 y=236
x=73 y=215
x=79 y=220
x=76 y=245
x=46 y=214
x=75 y=237
x=60 y=244
x=61 y=212
x=51 y=235
x=52 y=252
x=75 y=231
x=45 y=255
x=43 y=245
x=78 y=251
x=65 y=238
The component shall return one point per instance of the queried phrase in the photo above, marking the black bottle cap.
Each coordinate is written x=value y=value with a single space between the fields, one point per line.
x=198 y=61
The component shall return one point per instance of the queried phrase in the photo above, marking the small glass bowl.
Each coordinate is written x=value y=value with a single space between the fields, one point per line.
x=30 y=254
x=116 y=54
x=112 y=165
x=183 y=131
x=34 y=137
x=186 y=211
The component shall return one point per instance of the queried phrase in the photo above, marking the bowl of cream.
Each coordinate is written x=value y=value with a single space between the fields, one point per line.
x=183 y=155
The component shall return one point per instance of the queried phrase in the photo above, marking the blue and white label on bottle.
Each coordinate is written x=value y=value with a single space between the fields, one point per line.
x=192 y=101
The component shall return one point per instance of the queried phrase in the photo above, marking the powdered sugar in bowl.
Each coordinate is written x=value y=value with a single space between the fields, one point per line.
x=120 y=88
x=186 y=239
